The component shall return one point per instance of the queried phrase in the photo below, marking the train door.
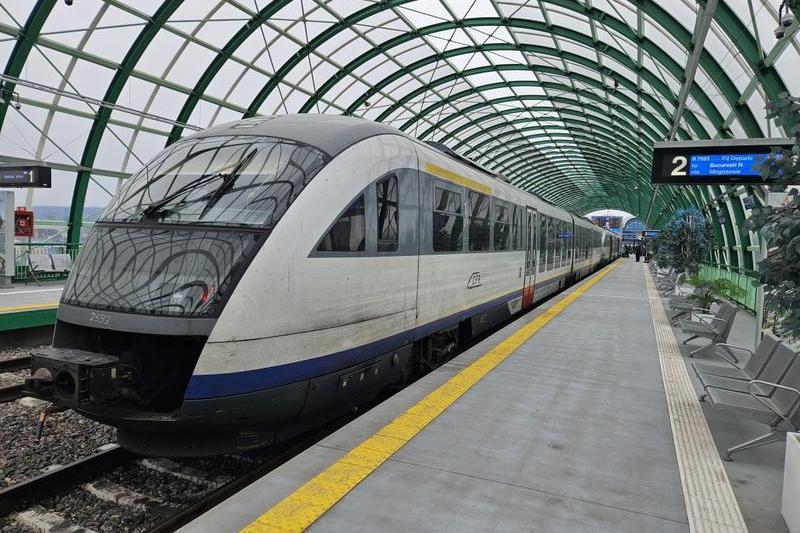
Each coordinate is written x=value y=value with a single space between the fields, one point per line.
x=530 y=259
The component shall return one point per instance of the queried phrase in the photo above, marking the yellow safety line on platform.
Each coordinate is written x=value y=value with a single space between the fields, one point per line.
x=30 y=307
x=312 y=500
x=710 y=502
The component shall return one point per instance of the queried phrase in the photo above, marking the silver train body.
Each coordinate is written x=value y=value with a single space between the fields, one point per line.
x=263 y=276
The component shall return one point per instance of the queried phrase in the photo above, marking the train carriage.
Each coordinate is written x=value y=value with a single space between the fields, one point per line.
x=261 y=276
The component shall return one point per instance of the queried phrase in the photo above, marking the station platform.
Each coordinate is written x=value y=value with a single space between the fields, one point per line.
x=27 y=306
x=578 y=416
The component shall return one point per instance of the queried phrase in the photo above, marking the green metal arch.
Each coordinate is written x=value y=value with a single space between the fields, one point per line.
x=219 y=61
x=22 y=48
x=100 y=123
x=600 y=135
x=514 y=83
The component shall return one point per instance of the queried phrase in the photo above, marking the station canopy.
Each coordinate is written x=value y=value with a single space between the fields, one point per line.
x=563 y=97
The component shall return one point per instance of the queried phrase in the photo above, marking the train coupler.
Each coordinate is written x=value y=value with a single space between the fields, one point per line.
x=72 y=378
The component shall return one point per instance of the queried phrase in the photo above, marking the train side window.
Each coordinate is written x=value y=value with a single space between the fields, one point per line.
x=348 y=233
x=516 y=228
x=542 y=242
x=448 y=221
x=388 y=215
x=502 y=225
x=557 y=235
x=583 y=243
x=587 y=243
x=551 y=243
x=478 y=222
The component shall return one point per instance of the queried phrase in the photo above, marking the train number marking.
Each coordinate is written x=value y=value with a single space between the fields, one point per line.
x=99 y=318
x=474 y=280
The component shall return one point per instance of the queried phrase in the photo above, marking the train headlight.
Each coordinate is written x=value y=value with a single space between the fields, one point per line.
x=191 y=297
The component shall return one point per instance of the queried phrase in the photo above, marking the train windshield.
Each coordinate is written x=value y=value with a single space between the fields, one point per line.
x=220 y=181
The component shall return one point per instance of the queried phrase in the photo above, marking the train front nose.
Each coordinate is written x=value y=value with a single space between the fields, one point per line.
x=74 y=378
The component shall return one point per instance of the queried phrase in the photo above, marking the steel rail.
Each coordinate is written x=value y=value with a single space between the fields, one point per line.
x=62 y=478
x=17 y=363
x=11 y=393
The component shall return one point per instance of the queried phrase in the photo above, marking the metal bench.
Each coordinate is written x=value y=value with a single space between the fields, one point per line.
x=765 y=363
x=39 y=264
x=716 y=328
x=665 y=282
x=62 y=262
x=679 y=302
x=778 y=410
x=680 y=306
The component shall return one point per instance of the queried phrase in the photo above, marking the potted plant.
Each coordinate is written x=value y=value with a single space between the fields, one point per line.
x=684 y=241
x=780 y=225
x=708 y=292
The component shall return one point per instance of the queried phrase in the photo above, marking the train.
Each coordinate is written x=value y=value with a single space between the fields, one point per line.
x=259 y=278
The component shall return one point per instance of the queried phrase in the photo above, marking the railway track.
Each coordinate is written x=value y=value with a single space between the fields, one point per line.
x=61 y=478
x=14 y=364
x=29 y=503
x=12 y=392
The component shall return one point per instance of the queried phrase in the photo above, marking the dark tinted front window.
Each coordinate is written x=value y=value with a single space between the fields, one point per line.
x=158 y=272
x=227 y=180
x=448 y=222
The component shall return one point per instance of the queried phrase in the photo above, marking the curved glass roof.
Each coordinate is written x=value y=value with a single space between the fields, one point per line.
x=564 y=97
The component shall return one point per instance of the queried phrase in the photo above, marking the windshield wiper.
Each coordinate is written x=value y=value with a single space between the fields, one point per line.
x=156 y=211
x=227 y=183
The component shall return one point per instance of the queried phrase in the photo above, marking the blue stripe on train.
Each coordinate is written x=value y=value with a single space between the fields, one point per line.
x=216 y=385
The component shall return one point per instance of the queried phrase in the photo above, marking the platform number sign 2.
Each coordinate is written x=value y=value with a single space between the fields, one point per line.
x=713 y=162
x=679 y=162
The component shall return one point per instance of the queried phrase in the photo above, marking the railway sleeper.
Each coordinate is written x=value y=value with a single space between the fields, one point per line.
x=112 y=492
x=40 y=519
x=187 y=473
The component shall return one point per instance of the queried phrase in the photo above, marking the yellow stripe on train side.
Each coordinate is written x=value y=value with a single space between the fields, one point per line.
x=449 y=175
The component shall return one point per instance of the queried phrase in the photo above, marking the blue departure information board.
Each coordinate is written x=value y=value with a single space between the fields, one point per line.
x=726 y=164
x=714 y=162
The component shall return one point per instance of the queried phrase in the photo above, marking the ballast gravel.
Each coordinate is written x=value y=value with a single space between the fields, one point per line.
x=13 y=378
x=20 y=351
x=67 y=437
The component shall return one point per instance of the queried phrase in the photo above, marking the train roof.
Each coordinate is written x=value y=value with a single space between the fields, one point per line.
x=330 y=133
x=333 y=134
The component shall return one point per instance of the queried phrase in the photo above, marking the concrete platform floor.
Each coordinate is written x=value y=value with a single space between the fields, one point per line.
x=32 y=296
x=569 y=433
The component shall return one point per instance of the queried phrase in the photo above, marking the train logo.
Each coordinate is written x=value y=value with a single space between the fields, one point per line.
x=474 y=280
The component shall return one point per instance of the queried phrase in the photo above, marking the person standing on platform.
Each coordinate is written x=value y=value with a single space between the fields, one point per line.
x=638 y=252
